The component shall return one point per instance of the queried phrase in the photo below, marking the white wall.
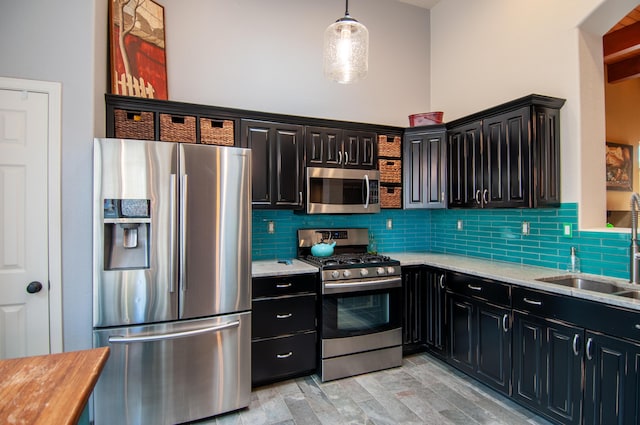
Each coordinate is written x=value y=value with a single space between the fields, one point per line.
x=53 y=41
x=499 y=50
x=267 y=56
x=235 y=53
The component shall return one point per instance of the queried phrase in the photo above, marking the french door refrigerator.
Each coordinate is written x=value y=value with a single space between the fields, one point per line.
x=171 y=280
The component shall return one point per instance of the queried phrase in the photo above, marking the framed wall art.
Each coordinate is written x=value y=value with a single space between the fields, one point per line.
x=137 y=49
x=619 y=164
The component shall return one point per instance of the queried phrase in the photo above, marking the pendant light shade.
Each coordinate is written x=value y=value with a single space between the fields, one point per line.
x=346 y=50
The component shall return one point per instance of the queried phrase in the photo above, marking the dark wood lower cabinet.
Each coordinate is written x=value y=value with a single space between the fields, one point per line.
x=283 y=328
x=547 y=367
x=480 y=340
x=612 y=380
x=283 y=357
x=414 y=298
x=424 y=305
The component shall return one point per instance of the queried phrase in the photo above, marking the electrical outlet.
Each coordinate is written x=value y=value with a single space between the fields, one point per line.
x=526 y=228
x=566 y=230
x=459 y=225
x=389 y=224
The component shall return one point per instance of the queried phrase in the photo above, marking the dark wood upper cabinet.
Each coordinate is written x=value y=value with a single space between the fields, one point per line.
x=276 y=163
x=507 y=156
x=340 y=148
x=424 y=157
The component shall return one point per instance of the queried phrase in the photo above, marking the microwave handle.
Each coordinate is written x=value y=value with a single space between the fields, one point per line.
x=366 y=182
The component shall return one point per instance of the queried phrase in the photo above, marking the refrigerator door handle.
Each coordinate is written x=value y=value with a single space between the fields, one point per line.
x=172 y=335
x=172 y=233
x=183 y=231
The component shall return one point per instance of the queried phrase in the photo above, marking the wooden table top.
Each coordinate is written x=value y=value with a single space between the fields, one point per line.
x=50 y=389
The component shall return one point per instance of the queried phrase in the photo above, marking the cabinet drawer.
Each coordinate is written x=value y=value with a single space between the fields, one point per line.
x=278 y=358
x=283 y=285
x=476 y=287
x=596 y=316
x=282 y=316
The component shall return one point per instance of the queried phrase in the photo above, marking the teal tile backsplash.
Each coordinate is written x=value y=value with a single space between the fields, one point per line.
x=492 y=234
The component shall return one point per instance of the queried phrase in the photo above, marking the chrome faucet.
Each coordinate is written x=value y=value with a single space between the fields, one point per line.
x=634 y=265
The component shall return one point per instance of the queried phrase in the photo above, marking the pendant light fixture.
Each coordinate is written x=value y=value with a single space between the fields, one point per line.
x=346 y=50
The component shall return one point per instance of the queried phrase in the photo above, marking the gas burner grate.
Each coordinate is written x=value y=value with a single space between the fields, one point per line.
x=347 y=259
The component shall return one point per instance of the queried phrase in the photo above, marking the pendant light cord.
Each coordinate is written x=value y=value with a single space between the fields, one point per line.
x=346 y=8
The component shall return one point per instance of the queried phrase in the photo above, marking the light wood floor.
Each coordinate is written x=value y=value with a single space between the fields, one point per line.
x=423 y=391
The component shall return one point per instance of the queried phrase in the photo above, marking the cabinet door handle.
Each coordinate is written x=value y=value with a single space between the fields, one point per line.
x=346 y=158
x=475 y=288
x=477 y=197
x=637 y=326
x=505 y=323
x=339 y=157
x=485 y=196
x=442 y=281
x=300 y=195
x=576 y=338
x=284 y=356
x=589 y=346
x=284 y=285
x=532 y=302
x=283 y=316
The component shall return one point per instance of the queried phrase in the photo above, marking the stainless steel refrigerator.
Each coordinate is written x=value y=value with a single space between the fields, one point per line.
x=171 y=280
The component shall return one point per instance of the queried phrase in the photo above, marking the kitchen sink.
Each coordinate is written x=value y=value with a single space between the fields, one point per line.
x=584 y=283
x=629 y=294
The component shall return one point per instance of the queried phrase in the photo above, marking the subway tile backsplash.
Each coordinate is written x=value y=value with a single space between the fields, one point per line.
x=492 y=234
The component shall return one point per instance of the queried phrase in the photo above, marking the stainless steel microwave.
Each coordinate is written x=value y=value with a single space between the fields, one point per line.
x=342 y=191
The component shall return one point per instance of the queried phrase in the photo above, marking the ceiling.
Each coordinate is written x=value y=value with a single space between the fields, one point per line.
x=621 y=48
x=427 y=4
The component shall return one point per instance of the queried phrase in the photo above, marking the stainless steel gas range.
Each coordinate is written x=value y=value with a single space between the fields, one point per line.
x=361 y=317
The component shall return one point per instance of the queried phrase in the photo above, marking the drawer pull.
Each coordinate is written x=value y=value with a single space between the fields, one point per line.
x=475 y=288
x=532 y=302
x=283 y=285
x=283 y=316
x=284 y=356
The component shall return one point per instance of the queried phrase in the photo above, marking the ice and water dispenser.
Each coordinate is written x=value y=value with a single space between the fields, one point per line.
x=127 y=233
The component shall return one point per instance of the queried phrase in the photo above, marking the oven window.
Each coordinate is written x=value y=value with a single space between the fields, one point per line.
x=361 y=313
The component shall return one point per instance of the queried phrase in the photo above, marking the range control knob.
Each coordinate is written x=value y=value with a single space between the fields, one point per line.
x=346 y=273
x=335 y=274
x=364 y=272
x=380 y=270
x=391 y=270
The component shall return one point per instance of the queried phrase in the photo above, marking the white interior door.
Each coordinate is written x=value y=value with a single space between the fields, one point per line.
x=24 y=316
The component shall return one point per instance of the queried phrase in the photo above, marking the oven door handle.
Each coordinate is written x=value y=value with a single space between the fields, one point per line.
x=370 y=285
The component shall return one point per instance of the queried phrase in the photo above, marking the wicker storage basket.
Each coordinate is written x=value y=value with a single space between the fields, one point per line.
x=390 y=197
x=134 y=125
x=177 y=128
x=216 y=132
x=389 y=146
x=390 y=170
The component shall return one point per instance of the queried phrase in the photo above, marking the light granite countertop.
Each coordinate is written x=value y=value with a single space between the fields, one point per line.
x=265 y=268
x=516 y=274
